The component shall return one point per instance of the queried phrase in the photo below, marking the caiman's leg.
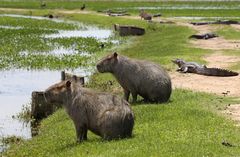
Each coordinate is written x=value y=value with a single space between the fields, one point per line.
x=179 y=69
x=126 y=94
x=185 y=69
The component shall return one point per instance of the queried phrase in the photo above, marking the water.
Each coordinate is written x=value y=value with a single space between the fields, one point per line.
x=16 y=88
x=90 y=32
x=41 y=18
x=183 y=7
x=17 y=85
x=59 y=52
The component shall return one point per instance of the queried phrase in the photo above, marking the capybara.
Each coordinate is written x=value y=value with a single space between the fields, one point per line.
x=104 y=114
x=145 y=15
x=138 y=77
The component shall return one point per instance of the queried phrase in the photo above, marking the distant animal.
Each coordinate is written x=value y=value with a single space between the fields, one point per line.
x=102 y=45
x=83 y=7
x=145 y=16
x=43 y=5
x=204 y=36
x=138 y=77
x=193 y=67
x=227 y=144
x=106 y=115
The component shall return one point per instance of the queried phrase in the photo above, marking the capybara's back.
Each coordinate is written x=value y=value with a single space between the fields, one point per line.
x=141 y=77
x=118 y=121
x=106 y=115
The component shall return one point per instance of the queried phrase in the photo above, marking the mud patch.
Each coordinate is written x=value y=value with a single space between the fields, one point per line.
x=218 y=43
x=220 y=60
x=210 y=84
x=233 y=111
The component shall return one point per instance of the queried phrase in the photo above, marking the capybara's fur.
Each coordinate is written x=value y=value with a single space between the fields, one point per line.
x=104 y=114
x=138 y=77
x=145 y=15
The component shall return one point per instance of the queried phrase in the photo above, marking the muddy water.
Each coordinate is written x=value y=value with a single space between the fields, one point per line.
x=15 y=91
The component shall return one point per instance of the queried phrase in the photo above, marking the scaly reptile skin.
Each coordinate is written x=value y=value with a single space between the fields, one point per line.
x=193 y=67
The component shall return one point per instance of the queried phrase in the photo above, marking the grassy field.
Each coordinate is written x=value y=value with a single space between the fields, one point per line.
x=167 y=8
x=186 y=126
x=189 y=125
x=228 y=32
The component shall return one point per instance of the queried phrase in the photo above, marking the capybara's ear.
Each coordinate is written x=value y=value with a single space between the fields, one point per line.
x=115 y=54
x=68 y=84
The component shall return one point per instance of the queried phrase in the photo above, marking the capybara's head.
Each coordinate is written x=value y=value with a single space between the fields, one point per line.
x=58 y=92
x=107 y=63
x=179 y=62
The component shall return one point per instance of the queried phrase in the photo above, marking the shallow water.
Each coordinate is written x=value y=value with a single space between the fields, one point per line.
x=90 y=32
x=40 y=18
x=181 y=7
x=16 y=88
x=10 y=27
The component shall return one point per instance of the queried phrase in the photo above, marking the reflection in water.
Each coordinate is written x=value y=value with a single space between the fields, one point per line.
x=93 y=32
x=16 y=88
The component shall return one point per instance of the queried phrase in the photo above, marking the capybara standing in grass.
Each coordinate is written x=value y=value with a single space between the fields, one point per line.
x=145 y=16
x=141 y=77
x=106 y=115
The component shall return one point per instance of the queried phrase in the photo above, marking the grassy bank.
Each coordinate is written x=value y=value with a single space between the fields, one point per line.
x=189 y=125
x=167 y=8
x=184 y=127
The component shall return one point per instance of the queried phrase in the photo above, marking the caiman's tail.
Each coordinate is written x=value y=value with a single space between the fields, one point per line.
x=216 y=72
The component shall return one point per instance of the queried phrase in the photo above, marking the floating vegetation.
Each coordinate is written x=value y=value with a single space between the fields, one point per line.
x=38 y=42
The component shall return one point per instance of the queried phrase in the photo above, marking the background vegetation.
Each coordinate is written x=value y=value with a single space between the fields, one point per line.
x=190 y=124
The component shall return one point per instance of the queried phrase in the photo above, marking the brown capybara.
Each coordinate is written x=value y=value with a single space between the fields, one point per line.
x=145 y=15
x=104 y=114
x=138 y=77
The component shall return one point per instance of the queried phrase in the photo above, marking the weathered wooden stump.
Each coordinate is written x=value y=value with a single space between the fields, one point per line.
x=128 y=30
x=40 y=108
x=67 y=76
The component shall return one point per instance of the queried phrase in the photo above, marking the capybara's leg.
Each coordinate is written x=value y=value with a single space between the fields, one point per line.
x=126 y=94
x=81 y=131
x=85 y=133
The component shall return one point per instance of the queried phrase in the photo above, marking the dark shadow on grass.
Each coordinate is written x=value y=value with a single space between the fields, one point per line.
x=144 y=102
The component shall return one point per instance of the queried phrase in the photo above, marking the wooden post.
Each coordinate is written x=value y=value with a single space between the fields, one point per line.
x=40 y=108
x=67 y=76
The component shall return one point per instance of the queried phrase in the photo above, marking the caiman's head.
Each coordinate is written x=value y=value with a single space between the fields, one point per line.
x=179 y=62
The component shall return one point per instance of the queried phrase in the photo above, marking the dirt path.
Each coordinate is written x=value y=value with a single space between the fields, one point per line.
x=218 y=43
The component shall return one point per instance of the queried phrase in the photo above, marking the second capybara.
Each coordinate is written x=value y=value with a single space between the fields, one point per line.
x=106 y=115
x=138 y=77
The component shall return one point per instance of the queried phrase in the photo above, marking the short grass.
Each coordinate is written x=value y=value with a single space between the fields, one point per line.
x=24 y=44
x=186 y=126
x=228 y=32
x=167 y=8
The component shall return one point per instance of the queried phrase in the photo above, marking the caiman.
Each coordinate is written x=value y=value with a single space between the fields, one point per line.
x=193 y=67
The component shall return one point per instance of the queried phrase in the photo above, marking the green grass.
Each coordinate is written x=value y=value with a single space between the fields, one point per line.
x=27 y=47
x=189 y=125
x=197 y=8
x=228 y=32
x=184 y=127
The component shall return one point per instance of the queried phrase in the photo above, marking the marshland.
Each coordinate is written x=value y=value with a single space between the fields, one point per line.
x=198 y=120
